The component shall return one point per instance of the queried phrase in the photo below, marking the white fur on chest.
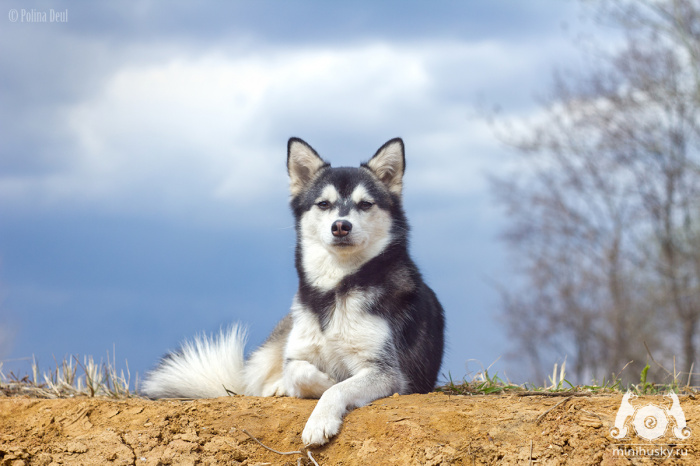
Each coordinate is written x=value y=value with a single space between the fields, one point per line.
x=352 y=340
x=323 y=269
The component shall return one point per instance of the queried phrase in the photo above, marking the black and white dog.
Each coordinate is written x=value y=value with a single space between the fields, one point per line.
x=363 y=324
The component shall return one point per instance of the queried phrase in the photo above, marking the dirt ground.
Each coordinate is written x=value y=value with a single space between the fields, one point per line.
x=431 y=429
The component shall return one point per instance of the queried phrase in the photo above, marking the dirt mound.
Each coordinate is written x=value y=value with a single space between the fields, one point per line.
x=428 y=429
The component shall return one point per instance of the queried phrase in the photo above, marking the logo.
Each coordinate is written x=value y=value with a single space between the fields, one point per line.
x=649 y=421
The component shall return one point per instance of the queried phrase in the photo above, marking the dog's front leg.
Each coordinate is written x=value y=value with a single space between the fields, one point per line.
x=304 y=380
x=362 y=388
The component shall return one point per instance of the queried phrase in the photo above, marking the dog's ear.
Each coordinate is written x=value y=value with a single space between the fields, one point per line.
x=303 y=163
x=388 y=164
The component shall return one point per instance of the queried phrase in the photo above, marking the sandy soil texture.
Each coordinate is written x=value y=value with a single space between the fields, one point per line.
x=431 y=429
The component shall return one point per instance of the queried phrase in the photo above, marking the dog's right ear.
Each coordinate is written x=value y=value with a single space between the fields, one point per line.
x=303 y=163
x=388 y=164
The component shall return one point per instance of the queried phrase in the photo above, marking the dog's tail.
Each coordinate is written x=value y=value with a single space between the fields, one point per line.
x=205 y=367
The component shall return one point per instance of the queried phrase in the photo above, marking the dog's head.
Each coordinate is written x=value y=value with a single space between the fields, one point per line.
x=345 y=215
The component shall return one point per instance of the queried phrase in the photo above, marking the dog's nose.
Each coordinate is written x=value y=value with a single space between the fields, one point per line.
x=341 y=228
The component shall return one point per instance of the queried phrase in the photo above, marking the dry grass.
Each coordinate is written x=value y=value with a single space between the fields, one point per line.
x=483 y=383
x=71 y=378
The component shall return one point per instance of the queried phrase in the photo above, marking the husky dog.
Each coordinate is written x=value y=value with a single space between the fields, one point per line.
x=363 y=324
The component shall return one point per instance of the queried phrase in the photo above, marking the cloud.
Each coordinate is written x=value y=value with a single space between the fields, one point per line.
x=180 y=131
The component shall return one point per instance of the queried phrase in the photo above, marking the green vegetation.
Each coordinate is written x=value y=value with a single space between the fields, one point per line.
x=73 y=378
x=485 y=384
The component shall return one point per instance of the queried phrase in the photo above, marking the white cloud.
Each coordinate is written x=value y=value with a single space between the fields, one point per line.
x=180 y=133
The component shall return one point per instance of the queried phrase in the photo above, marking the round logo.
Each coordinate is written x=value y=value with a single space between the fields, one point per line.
x=650 y=422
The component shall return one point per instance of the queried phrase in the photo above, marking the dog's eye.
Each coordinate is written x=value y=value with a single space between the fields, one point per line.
x=365 y=205
x=324 y=205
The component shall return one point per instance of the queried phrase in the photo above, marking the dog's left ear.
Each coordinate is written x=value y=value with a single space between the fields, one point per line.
x=303 y=163
x=388 y=164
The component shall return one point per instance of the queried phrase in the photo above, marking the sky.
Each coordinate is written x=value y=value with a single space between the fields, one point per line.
x=143 y=186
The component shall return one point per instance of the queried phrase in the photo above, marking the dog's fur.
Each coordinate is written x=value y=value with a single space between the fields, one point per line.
x=363 y=324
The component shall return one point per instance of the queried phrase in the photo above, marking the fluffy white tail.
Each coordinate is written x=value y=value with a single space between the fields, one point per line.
x=205 y=367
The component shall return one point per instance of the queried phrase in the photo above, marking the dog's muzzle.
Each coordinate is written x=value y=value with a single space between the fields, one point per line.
x=341 y=228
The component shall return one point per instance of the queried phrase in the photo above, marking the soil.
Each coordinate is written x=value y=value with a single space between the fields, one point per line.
x=431 y=429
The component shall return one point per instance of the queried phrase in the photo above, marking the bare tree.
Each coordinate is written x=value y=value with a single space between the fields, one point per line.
x=604 y=207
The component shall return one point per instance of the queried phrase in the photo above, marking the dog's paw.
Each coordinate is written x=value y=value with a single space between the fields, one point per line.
x=304 y=380
x=320 y=428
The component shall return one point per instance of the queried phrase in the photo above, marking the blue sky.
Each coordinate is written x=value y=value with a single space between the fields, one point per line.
x=143 y=188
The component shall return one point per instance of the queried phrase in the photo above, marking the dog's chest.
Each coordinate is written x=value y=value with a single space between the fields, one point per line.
x=351 y=338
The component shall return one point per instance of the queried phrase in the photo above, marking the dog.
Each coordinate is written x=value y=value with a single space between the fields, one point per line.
x=363 y=324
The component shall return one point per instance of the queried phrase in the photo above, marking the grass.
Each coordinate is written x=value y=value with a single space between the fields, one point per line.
x=557 y=384
x=71 y=378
